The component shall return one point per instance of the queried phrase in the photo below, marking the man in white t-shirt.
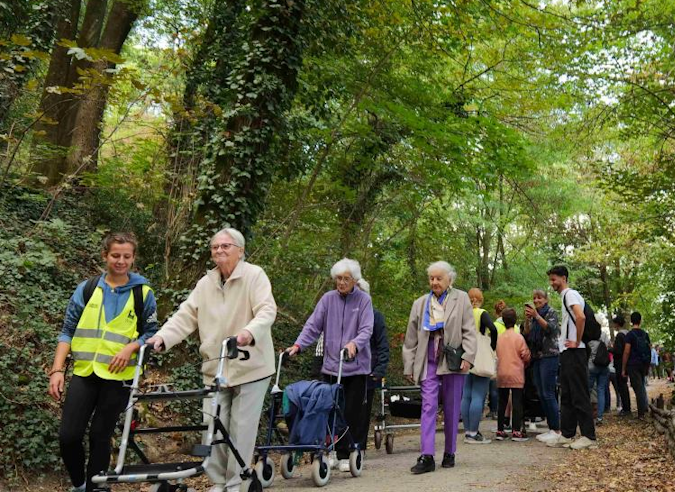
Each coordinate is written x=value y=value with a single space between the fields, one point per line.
x=575 y=398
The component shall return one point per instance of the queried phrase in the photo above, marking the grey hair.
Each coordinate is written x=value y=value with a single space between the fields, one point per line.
x=444 y=266
x=540 y=293
x=346 y=265
x=237 y=237
x=364 y=285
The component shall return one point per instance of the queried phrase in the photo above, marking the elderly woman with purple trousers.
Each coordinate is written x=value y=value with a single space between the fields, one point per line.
x=442 y=317
x=345 y=317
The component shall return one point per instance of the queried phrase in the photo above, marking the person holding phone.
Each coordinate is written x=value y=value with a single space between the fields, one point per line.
x=345 y=317
x=541 y=330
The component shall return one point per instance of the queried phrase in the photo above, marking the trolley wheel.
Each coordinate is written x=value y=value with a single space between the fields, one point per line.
x=287 y=465
x=378 y=439
x=264 y=468
x=389 y=443
x=320 y=471
x=356 y=463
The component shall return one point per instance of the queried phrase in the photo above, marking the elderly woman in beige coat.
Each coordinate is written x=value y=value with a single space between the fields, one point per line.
x=233 y=299
x=441 y=318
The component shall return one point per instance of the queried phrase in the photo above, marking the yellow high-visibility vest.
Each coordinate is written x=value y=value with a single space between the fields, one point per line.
x=477 y=313
x=96 y=342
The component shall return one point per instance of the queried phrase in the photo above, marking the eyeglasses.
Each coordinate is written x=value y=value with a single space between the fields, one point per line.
x=223 y=246
x=344 y=280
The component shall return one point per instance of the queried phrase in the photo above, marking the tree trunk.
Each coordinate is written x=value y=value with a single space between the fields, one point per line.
x=238 y=163
x=86 y=132
x=53 y=105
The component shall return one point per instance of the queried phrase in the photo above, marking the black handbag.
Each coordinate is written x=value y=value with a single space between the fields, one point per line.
x=453 y=357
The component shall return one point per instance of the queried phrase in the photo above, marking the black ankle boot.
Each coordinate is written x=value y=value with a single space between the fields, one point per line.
x=425 y=463
x=448 y=460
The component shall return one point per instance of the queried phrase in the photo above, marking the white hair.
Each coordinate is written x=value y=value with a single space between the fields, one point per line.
x=364 y=285
x=346 y=265
x=237 y=237
x=445 y=267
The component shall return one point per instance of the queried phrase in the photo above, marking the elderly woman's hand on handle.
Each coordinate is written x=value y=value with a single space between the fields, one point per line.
x=157 y=343
x=292 y=351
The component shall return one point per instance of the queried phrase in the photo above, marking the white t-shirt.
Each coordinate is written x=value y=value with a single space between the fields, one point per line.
x=568 y=330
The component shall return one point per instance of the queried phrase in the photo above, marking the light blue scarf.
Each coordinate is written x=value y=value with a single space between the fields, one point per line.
x=426 y=323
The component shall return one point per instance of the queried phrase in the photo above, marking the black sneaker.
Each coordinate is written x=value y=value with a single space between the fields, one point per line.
x=425 y=463
x=448 y=460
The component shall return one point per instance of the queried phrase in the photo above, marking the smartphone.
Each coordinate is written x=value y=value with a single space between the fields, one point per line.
x=529 y=305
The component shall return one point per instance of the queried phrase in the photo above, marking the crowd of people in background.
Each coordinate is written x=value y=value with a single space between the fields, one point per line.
x=453 y=350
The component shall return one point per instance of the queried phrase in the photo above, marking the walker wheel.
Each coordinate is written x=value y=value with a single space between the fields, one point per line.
x=377 y=437
x=356 y=463
x=389 y=443
x=320 y=471
x=287 y=466
x=252 y=484
x=265 y=470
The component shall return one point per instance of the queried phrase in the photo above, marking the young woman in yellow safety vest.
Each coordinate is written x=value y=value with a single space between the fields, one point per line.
x=103 y=333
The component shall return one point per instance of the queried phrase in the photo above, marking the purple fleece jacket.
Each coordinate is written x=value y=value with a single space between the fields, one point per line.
x=342 y=319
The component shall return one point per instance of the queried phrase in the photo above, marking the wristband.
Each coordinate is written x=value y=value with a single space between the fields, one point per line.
x=55 y=371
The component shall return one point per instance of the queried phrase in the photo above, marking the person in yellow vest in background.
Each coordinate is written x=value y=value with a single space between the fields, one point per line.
x=103 y=329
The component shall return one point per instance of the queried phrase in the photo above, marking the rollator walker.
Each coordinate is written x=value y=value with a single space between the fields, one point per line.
x=321 y=468
x=169 y=477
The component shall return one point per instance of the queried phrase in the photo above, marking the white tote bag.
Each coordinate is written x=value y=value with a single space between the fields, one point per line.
x=485 y=364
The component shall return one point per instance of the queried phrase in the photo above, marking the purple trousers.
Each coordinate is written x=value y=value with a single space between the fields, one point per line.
x=451 y=386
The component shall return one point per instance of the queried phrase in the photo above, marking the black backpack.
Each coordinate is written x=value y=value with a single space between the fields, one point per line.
x=137 y=292
x=642 y=349
x=601 y=358
x=592 y=328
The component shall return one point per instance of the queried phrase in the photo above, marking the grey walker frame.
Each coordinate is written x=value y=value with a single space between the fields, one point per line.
x=162 y=473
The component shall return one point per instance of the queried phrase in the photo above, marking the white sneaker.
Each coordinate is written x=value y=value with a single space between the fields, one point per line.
x=544 y=436
x=217 y=488
x=584 y=443
x=332 y=460
x=532 y=427
x=560 y=441
x=548 y=436
x=343 y=466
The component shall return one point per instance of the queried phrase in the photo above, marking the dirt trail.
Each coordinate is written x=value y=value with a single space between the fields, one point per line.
x=479 y=467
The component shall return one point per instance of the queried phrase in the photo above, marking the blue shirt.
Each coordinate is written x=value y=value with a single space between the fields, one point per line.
x=114 y=301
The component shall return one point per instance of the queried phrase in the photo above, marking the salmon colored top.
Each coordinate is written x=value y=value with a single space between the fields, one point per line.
x=512 y=357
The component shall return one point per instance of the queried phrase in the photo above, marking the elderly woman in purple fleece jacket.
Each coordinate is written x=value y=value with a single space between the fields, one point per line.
x=345 y=317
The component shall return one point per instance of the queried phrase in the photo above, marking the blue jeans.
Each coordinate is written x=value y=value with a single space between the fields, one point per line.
x=599 y=375
x=493 y=401
x=545 y=374
x=473 y=401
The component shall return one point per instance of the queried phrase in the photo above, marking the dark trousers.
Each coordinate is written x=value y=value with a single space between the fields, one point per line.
x=516 y=408
x=86 y=396
x=354 y=390
x=575 y=398
x=622 y=383
x=370 y=395
x=637 y=374
x=608 y=398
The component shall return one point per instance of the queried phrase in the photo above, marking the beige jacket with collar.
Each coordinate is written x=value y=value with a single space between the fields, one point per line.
x=244 y=302
x=460 y=329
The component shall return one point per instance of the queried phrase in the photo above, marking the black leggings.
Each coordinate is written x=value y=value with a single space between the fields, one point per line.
x=516 y=408
x=354 y=411
x=104 y=399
